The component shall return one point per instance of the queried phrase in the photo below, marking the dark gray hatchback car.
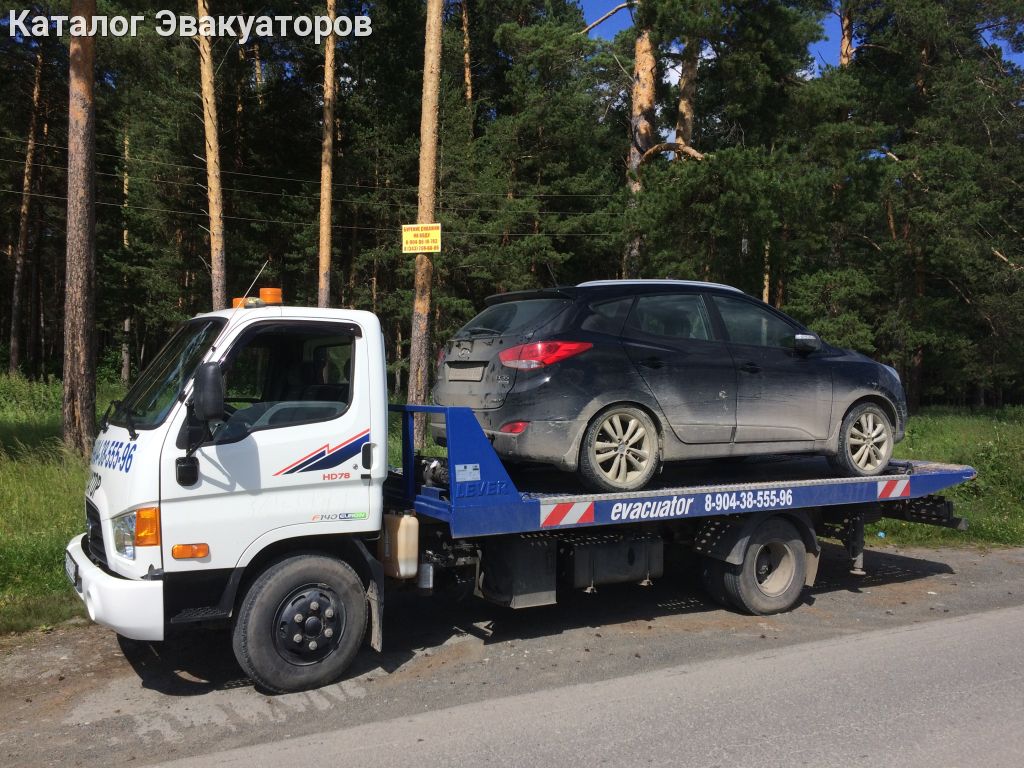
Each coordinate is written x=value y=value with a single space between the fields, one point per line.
x=612 y=378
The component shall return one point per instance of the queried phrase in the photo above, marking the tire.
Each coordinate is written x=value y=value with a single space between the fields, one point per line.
x=619 y=450
x=712 y=578
x=329 y=597
x=771 y=577
x=865 y=442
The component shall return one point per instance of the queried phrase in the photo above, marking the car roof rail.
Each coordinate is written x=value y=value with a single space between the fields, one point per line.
x=688 y=283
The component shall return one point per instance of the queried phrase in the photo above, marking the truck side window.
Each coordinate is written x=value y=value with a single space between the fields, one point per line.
x=284 y=374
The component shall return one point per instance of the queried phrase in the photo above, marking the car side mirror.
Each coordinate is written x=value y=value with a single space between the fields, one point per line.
x=806 y=342
x=208 y=393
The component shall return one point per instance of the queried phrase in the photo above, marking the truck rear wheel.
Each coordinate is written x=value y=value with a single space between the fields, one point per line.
x=712 y=577
x=301 y=623
x=771 y=576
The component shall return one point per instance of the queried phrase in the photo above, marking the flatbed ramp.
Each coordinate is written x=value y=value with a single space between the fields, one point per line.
x=481 y=499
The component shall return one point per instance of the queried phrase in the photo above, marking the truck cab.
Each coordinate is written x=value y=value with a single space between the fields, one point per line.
x=179 y=504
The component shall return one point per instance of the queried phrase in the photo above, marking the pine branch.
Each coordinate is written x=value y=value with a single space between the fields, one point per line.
x=608 y=15
x=671 y=146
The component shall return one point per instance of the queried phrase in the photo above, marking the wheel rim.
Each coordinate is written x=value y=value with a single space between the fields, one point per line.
x=623 y=448
x=309 y=624
x=774 y=567
x=869 y=442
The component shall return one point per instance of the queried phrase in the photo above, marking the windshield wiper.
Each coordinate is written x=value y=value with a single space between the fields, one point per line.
x=118 y=406
x=482 y=331
x=105 y=419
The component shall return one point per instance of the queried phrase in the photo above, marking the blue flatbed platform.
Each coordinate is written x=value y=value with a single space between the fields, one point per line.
x=481 y=498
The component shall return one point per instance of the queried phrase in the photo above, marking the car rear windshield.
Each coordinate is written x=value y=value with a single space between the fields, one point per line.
x=512 y=317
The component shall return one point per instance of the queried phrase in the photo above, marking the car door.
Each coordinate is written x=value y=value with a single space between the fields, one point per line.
x=288 y=459
x=668 y=338
x=782 y=395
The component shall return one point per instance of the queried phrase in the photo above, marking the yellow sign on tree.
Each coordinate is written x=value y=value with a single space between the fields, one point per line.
x=421 y=238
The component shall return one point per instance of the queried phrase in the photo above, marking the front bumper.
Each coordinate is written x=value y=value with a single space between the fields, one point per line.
x=133 y=608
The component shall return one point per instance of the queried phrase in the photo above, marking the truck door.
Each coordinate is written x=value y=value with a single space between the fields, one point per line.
x=668 y=338
x=288 y=457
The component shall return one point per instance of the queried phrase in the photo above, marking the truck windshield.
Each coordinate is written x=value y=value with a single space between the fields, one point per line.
x=153 y=394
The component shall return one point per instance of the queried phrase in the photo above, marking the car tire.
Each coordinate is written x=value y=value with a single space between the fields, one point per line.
x=771 y=577
x=331 y=601
x=865 y=442
x=620 y=450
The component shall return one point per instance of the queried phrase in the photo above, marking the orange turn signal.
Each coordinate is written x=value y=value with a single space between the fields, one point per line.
x=190 y=551
x=147 y=527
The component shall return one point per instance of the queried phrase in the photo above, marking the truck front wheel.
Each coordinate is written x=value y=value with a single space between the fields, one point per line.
x=771 y=577
x=300 y=624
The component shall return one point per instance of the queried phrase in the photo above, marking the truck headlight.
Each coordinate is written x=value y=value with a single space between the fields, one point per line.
x=124 y=535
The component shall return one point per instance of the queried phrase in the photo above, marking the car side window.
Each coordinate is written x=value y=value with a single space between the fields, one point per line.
x=676 y=316
x=279 y=375
x=606 y=315
x=747 y=323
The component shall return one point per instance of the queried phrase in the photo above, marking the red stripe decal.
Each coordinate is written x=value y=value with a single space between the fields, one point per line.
x=325 y=447
x=887 y=489
x=588 y=516
x=556 y=515
x=906 y=489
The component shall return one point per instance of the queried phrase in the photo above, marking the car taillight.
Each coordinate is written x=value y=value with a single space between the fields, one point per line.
x=541 y=353
x=514 y=427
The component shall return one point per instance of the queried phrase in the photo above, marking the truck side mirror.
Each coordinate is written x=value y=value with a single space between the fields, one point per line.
x=806 y=342
x=208 y=393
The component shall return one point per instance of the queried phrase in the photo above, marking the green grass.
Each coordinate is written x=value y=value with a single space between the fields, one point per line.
x=991 y=441
x=41 y=488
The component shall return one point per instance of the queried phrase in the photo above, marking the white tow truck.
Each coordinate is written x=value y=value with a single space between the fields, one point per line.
x=244 y=480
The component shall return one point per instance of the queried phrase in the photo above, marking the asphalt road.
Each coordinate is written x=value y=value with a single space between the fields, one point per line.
x=946 y=693
x=918 y=663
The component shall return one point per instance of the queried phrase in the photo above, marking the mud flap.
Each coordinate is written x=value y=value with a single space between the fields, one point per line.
x=376 y=617
x=374 y=596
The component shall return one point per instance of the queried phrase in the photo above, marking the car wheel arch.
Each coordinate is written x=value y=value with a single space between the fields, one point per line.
x=599 y=405
x=875 y=399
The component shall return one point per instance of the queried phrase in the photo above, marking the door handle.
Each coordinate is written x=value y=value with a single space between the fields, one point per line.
x=366 y=457
x=651 y=362
x=749 y=367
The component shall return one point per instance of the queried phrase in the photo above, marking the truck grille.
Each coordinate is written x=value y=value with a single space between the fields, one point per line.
x=93 y=541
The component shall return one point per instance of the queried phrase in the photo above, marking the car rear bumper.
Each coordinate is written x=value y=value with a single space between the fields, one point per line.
x=131 y=608
x=545 y=442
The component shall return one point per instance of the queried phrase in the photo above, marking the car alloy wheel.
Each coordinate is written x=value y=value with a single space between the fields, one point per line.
x=869 y=442
x=622 y=449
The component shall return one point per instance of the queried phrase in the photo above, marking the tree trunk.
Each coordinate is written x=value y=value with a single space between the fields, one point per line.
x=846 y=35
x=767 y=282
x=79 y=407
x=419 y=347
x=126 y=357
x=323 y=298
x=23 y=219
x=687 y=92
x=215 y=196
x=467 y=70
x=642 y=134
x=257 y=73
